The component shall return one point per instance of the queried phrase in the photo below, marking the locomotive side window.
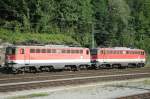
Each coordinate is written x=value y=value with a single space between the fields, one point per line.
x=43 y=50
x=75 y=51
x=32 y=50
x=127 y=52
x=101 y=52
x=139 y=52
x=48 y=50
x=81 y=51
x=68 y=51
x=136 y=52
x=59 y=51
x=114 y=52
x=72 y=51
x=63 y=51
x=117 y=52
x=110 y=52
x=37 y=50
x=53 y=50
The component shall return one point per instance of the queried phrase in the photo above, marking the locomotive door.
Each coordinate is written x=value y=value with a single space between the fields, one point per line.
x=103 y=53
x=26 y=56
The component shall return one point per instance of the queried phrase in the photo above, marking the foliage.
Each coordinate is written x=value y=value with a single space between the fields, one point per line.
x=116 y=22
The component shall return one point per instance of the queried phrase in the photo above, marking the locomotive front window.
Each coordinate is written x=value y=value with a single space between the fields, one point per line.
x=10 y=51
x=93 y=51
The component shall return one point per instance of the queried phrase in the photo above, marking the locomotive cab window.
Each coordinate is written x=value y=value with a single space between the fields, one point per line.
x=142 y=53
x=94 y=51
x=10 y=51
x=87 y=52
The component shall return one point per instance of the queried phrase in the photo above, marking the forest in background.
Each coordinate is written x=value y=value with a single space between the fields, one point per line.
x=113 y=22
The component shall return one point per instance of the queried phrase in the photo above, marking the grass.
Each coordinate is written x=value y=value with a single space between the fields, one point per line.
x=51 y=38
x=30 y=96
x=147 y=82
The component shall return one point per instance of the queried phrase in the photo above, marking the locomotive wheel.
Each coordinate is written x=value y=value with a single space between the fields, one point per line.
x=139 y=65
x=16 y=71
x=32 y=69
x=51 y=68
x=74 y=68
x=83 y=67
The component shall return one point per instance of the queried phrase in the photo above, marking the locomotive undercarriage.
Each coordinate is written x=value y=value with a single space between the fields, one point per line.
x=21 y=68
x=34 y=68
x=118 y=65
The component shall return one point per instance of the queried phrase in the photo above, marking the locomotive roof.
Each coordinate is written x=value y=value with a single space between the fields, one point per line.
x=119 y=48
x=45 y=46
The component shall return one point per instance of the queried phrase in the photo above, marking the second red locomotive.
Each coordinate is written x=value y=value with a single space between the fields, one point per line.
x=118 y=57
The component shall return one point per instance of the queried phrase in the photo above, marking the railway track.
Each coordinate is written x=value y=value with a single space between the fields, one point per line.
x=103 y=71
x=61 y=75
x=40 y=80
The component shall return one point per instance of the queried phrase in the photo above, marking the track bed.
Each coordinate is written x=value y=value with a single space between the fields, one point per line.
x=27 y=81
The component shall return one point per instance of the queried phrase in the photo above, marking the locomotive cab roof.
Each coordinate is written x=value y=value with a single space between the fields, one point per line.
x=45 y=46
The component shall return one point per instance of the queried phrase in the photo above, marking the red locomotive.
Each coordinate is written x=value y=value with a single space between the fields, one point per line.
x=50 y=57
x=46 y=58
x=118 y=57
